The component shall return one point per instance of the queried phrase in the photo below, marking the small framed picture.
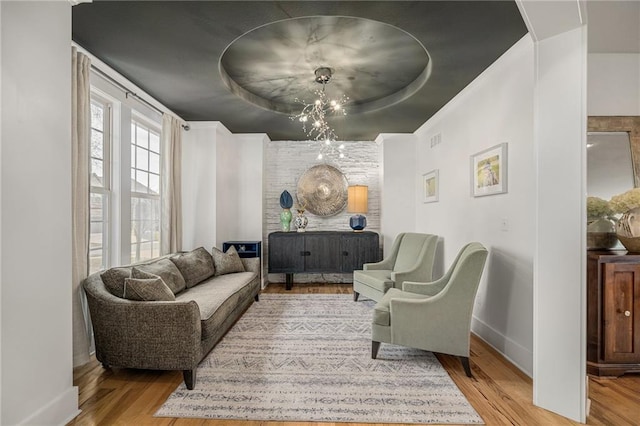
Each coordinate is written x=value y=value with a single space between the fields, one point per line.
x=430 y=186
x=489 y=171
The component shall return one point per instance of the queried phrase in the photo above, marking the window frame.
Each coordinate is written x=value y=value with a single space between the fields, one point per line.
x=106 y=189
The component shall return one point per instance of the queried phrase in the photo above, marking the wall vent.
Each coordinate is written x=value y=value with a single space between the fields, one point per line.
x=436 y=139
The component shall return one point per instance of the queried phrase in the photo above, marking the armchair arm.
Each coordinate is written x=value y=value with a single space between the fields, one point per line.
x=433 y=323
x=388 y=262
x=422 y=268
x=149 y=335
x=251 y=264
x=385 y=264
x=428 y=289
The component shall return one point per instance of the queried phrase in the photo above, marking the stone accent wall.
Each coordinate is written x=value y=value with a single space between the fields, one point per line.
x=286 y=161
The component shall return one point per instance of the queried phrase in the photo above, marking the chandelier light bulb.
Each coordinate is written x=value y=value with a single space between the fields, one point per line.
x=314 y=116
x=341 y=146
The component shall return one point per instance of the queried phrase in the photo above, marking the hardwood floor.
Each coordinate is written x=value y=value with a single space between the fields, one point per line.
x=499 y=392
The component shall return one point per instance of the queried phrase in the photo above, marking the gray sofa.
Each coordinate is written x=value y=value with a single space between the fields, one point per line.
x=170 y=334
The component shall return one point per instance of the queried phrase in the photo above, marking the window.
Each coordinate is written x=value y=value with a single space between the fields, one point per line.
x=125 y=193
x=145 y=190
x=100 y=184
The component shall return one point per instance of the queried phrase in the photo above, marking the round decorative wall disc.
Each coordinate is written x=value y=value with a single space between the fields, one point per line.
x=322 y=190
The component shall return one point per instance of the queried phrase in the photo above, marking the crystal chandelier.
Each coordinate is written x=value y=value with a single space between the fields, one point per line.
x=314 y=117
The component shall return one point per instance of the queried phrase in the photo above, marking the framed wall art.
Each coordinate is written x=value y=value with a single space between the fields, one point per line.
x=430 y=186
x=489 y=171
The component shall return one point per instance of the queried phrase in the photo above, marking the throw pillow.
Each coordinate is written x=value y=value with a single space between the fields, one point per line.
x=227 y=263
x=139 y=273
x=165 y=269
x=113 y=279
x=147 y=289
x=195 y=266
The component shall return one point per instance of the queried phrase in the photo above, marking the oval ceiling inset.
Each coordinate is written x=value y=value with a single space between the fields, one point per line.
x=375 y=64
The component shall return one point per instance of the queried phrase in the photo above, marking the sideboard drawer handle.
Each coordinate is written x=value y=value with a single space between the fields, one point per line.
x=627 y=313
x=345 y=253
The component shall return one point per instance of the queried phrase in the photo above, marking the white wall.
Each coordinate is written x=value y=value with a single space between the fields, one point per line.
x=495 y=108
x=559 y=272
x=240 y=186
x=398 y=185
x=199 y=186
x=222 y=185
x=613 y=84
x=36 y=214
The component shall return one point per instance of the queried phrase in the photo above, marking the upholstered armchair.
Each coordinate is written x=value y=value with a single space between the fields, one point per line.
x=411 y=259
x=434 y=316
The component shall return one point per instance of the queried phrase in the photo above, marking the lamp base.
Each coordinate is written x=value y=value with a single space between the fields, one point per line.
x=358 y=222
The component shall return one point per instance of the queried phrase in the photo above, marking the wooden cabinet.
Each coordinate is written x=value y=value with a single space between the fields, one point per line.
x=613 y=313
x=321 y=252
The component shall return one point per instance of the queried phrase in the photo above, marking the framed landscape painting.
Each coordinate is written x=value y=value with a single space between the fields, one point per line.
x=430 y=187
x=489 y=171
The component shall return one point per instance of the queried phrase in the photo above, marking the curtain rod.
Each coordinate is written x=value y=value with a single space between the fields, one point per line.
x=128 y=93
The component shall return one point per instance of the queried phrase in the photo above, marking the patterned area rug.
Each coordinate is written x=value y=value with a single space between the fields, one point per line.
x=308 y=358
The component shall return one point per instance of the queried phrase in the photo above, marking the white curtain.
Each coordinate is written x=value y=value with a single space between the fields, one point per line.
x=171 y=185
x=80 y=134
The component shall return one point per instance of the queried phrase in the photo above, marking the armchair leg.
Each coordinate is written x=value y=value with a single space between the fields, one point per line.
x=375 y=346
x=257 y=297
x=355 y=296
x=466 y=366
x=189 y=378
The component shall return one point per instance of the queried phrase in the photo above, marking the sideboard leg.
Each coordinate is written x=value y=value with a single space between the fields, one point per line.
x=289 y=281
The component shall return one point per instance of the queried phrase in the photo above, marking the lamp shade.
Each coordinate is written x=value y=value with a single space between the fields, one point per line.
x=358 y=199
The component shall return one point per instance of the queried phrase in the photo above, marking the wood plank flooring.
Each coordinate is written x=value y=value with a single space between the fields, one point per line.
x=499 y=392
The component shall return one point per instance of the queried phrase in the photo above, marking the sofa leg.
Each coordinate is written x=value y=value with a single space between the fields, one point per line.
x=189 y=378
x=466 y=366
x=375 y=346
x=257 y=297
x=355 y=296
x=105 y=365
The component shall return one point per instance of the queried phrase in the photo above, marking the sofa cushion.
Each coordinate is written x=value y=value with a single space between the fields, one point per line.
x=226 y=262
x=165 y=269
x=217 y=297
x=147 y=289
x=377 y=279
x=382 y=310
x=195 y=266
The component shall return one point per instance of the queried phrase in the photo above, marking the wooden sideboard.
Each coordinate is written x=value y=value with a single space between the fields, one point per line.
x=613 y=313
x=321 y=252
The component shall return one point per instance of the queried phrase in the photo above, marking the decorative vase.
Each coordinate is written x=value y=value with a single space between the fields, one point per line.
x=601 y=234
x=628 y=230
x=301 y=221
x=285 y=220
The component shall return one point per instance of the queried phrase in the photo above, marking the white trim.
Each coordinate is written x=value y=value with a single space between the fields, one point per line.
x=97 y=63
x=59 y=411
x=514 y=352
x=460 y=98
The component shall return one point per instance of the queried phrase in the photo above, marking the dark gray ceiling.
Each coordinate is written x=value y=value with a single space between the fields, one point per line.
x=173 y=50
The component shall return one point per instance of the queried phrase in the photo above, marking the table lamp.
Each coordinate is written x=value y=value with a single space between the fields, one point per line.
x=357 y=203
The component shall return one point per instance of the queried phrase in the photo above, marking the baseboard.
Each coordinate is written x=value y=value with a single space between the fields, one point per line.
x=514 y=352
x=59 y=411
